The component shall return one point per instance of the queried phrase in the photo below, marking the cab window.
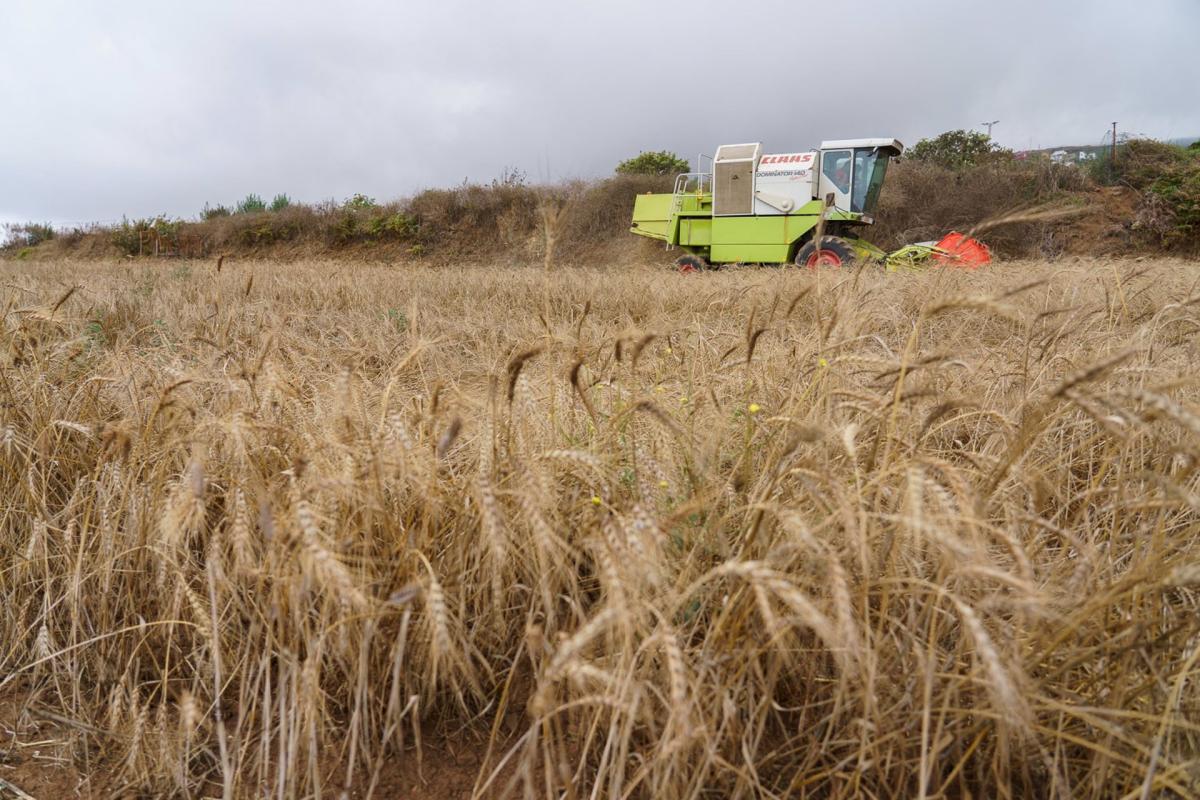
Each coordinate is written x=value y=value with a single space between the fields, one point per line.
x=864 y=160
x=870 y=166
x=835 y=165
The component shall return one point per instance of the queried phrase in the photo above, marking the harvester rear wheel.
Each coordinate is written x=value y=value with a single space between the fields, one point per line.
x=833 y=252
x=690 y=263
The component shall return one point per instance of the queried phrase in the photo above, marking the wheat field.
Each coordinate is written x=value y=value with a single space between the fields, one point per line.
x=273 y=530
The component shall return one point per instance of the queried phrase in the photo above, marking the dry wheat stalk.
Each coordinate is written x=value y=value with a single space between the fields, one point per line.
x=952 y=551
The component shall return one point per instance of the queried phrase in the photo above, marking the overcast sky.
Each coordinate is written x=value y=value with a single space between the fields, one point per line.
x=137 y=108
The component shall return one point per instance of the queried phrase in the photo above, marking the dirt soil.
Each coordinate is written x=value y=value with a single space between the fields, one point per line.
x=36 y=755
x=1106 y=229
x=36 y=760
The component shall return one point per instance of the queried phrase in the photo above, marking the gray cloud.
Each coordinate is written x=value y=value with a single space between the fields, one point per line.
x=138 y=108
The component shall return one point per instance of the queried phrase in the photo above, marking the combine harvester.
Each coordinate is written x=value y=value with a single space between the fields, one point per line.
x=770 y=208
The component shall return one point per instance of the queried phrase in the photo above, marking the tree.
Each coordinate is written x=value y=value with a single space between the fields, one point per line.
x=252 y=204
x=657 y=162
x=957 y=149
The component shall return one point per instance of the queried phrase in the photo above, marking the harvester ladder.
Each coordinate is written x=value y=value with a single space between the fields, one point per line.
x=673 y=216
x=681 y=188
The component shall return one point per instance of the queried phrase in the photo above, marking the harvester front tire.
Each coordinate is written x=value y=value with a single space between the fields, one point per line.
x=833 y=252
x=688 y=264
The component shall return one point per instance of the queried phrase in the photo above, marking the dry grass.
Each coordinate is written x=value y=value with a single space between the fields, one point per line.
x=757 y=534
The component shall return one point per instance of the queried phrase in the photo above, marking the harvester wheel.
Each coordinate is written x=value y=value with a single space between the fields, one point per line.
x=691 y=263
x=834 y=252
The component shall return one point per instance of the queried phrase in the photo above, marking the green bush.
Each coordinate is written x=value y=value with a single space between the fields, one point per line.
x=1179 y=191
x=137 y=237
x=344 y=229
x=214 y=212
x=398 y=225
x=359 y=202
x=958 y=150
x=257 y=234
x=251 y=204
x=1140 y=162
x=361 y=225
x=656 y=162
x=280 y=202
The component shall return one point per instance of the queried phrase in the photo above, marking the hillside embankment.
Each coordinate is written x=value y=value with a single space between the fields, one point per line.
x=1148 y=204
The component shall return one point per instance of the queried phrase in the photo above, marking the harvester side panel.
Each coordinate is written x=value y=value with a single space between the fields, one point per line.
x=767 y=239
x=784 y=182
x=652 y=215
x=695 y=231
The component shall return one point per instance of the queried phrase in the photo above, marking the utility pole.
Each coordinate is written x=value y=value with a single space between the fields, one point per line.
x=989 y=126
x=1114 y=145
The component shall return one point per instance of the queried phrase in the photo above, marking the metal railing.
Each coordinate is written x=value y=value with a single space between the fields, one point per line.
x=697 y=183
x=693 y=183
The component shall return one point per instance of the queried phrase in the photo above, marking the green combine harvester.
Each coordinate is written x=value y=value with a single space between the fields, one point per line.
x=763 y=208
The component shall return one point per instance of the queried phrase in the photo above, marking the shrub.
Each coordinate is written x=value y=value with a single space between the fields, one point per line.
x=263 y=233
x=74 y=235
x=1140 y=162
x=1179 y=190
x=146 y=236
x=603 y=209
x=655 y=162
x=127 y=237
x=251 y=204
x=344 y=229
x=510 y=177
x=958 y=150
x=29 y=234
x=280 y=202
x=359 y=202
x=475 y=218
x=214 y=212
x=398 y=225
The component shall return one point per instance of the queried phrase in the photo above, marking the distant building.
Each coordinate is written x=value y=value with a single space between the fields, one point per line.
x=1073 y=155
